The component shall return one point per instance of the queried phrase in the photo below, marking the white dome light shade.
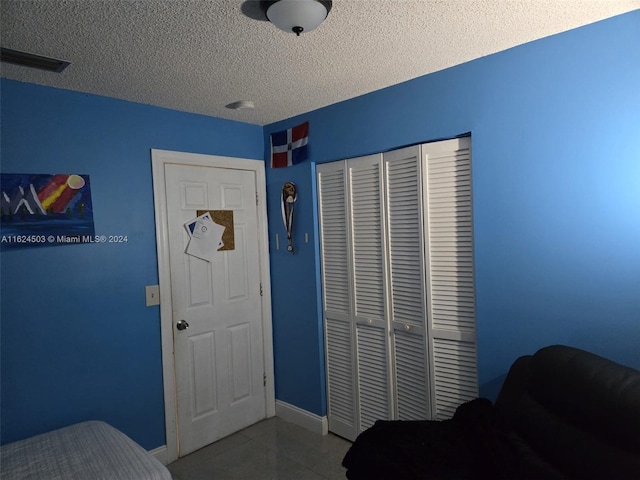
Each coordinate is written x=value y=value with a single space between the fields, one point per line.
x=297 y=16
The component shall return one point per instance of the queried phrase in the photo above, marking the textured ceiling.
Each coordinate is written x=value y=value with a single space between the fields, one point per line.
x=200 y=55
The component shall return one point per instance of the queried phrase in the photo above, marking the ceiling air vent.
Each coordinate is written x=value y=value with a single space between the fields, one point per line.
x=33 y=61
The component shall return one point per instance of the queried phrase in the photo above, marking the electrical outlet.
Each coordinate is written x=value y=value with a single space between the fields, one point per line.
x=153 y=295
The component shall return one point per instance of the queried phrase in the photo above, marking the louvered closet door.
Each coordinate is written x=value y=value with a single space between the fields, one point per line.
x=365 y=205
x=397 y=264
x=450 y=268
x=407 y=283
x=339 y=341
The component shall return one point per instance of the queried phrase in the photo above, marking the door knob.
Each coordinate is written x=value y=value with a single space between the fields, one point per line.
x=182 y=325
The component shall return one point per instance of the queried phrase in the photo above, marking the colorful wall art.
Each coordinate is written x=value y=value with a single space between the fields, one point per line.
x=45 y=210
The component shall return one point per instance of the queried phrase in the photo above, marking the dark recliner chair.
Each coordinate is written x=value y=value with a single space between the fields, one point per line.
x=562 y=414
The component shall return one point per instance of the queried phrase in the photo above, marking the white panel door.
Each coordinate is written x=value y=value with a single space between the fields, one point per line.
x=219 y=359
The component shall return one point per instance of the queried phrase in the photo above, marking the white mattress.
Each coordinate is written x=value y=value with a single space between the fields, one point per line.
x=85 y=451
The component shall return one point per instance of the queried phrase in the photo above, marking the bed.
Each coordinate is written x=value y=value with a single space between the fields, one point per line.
x=89 y=450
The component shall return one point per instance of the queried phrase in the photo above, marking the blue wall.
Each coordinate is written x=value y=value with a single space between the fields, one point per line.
x=555 y=126
x=78 y=341
x=556 y=171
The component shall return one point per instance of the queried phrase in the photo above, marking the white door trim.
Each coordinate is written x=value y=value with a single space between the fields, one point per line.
x=158 y=159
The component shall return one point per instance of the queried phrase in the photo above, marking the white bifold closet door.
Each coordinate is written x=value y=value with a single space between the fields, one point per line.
x=398 y=298
x=450 y=283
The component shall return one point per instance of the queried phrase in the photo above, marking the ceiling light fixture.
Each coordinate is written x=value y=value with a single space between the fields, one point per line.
x=296 y=16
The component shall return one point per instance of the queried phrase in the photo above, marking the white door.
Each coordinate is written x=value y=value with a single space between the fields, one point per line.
x=337 y=301
x=450 y=273
x=407 y=292
x=396 y=245
x=220 y=370
x=366 y=218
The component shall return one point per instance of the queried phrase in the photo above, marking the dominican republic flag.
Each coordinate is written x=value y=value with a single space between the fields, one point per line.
x=289 y=146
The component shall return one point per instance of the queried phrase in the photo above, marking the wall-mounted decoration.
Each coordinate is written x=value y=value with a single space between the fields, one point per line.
x=290 y=146
x=289 y=198
x=45 y=210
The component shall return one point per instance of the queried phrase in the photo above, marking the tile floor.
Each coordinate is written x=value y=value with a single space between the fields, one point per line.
x=273 y=449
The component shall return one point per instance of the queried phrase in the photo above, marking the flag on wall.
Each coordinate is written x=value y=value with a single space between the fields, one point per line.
x=289 y=147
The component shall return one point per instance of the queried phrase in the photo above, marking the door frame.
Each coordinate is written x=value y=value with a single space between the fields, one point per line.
x=158 y=160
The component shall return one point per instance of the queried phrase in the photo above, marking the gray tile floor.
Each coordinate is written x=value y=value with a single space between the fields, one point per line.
x=273 y=449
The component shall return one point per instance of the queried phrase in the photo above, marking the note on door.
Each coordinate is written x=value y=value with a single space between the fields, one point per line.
x=205 y=237
x=224 y=218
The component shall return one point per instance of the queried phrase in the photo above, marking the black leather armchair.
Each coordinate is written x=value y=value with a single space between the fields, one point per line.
x=578 y=411
x=562 y=413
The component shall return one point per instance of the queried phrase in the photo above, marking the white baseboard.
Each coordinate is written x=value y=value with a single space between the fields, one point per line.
x=301 y=417
x=161 y=454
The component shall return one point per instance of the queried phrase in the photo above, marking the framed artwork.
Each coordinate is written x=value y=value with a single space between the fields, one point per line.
x=45 y=210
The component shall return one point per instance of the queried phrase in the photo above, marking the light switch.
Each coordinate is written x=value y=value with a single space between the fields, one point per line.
x=153 y=295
